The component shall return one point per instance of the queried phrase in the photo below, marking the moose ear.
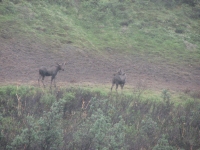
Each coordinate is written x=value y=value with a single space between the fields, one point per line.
x=63 y=63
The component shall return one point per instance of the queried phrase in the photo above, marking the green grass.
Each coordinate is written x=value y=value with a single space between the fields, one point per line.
x=150 y=27
x=144 y=95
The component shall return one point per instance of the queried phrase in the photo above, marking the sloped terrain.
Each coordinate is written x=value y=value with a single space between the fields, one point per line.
x=156 y=45
x=21 y=58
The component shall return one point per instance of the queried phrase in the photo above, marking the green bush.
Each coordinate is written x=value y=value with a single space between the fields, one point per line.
x=149 y=127
x=48 y=99
x=98 y=132
x=7 y=7
x=70 y=103
x=28 y=138
x=50 y=133
x=44 y=133
x=163 y=144
x=116 y=121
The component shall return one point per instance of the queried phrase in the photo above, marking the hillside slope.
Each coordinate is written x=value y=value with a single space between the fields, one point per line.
x=19 y=64
x=36 y=34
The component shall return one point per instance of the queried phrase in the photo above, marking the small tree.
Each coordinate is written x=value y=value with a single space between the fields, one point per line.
x=163 y=144
x=50 y=134
x=44 y=133
x=28 y=138
x=98 y=132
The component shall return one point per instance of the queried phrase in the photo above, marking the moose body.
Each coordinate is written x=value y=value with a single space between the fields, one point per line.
x=43 y=71
x=119 y=79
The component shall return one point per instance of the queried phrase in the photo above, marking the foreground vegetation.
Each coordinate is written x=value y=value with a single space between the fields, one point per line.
x=78 y=118
x=155 y=28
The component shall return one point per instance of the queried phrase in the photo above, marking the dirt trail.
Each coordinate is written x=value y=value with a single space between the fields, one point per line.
x=21 y=58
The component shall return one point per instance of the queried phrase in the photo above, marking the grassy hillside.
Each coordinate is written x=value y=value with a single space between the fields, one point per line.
x=158 y=29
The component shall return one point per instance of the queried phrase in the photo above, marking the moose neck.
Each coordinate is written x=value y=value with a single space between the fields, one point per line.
x=57 y=69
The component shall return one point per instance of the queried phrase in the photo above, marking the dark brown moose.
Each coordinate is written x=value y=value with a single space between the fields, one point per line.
x=119 y=78
x=52 y=71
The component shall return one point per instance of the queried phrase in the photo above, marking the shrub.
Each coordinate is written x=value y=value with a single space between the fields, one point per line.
x=163 y=144
x=70 y=103
x=149 y=127
x=7 y=7
x=44 y=133
x=179 y=30
x=50 y=133
x=28 y=138
x=116 y=121
x=98 y=132
x=48 y=99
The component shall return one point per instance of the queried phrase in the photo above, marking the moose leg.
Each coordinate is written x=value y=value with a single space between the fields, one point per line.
x=122 y=85
x=51 y=80
x=112 y=87
x=54 y=82
x=43 y=81
x=39 y=80
x=116 y=87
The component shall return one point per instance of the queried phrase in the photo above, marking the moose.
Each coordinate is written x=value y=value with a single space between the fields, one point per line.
x=43 y=71
x=119 y=78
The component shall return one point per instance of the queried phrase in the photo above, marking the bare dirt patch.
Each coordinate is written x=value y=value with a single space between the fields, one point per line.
x=21 y=58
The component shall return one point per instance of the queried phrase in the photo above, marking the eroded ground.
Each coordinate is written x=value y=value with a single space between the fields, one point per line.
x=21 y=58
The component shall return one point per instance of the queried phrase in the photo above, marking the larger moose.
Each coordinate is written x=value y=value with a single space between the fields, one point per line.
x=52 y=71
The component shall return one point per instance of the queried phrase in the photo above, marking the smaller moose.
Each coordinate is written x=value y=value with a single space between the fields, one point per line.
x=43 y=71
x=119 y=78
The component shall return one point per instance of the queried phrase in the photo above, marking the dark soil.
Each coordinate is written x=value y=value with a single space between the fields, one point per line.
x=20 y=59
